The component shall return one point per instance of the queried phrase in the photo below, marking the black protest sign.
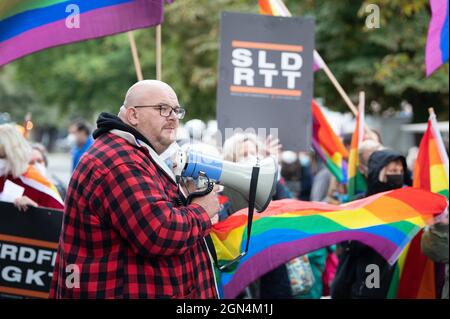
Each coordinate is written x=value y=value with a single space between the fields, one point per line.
x=28 y=245
x=266 y=77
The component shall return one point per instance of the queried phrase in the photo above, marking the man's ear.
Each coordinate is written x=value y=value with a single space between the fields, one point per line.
x=132 y=116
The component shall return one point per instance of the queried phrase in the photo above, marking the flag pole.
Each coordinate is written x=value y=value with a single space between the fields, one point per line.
x=362 y=102
x=158 y=52
x=134 y=53
x=362 y=98
x=339 y=88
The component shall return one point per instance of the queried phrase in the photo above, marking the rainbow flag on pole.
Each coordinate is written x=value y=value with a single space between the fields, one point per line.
x=328 y=145
x=436 y=51
x=431 y=169
x=33 y=25
x=278 y=8
x=356 y=182
x=416 y=275
x=273 y=8
x=291 y=228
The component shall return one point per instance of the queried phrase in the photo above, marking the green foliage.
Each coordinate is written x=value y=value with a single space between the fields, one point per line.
x=85 y=78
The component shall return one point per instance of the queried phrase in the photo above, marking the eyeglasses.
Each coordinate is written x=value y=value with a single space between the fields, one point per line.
x=166 y=110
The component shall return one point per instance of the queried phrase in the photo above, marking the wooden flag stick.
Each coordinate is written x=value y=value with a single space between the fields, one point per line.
x=362 y=103
x=339 y=88
x=134 y=53
x=158 y=52
x=362 y=100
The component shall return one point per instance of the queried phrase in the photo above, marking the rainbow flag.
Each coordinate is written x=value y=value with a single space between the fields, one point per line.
x=273 y=8
x=278 y=8
x=33 y=25
x=416 y=275
x=33 y=178
x=436 y=51
x=328 y=145
x=431 y=169
x=290 y=228
x=356 y=182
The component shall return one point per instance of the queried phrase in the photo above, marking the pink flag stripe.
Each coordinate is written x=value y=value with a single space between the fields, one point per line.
x=93 y=24
x=433 y=53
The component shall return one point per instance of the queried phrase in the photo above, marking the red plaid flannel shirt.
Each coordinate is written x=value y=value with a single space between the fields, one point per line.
x=126 y=233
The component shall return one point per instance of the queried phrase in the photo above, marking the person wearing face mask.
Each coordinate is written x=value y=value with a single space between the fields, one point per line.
x=366 y=149
x=387 y=170
x=81 y=139
x=16 y=173
x=39 y=159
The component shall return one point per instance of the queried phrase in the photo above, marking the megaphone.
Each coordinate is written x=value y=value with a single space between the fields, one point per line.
x=233 y=175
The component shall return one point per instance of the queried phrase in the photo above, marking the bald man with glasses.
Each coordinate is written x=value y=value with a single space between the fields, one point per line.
x=125 y=228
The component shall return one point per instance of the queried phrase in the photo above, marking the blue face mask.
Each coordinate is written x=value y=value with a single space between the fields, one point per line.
x=304 y=160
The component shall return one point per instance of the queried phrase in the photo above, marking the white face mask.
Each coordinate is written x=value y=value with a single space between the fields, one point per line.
x=3 y=166
x=71 y=139
x=41 y=168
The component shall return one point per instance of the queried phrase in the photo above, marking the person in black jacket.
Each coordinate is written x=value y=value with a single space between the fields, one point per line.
x=387 y=171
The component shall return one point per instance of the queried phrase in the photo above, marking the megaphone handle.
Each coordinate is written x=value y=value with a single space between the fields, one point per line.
x=208 y=190
x=251 y=208
x=251 y=202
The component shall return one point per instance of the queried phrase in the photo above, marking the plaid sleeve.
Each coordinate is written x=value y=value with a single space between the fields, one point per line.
x=135 y=204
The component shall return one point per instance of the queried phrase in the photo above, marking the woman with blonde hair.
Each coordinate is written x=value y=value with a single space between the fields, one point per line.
x=15 y=155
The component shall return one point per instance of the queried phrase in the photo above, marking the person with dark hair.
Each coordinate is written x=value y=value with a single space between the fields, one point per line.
x=81 y=138
x=387 y=171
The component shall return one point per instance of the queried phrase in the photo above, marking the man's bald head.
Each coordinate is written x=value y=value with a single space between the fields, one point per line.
x=159 y=130
x=139 y=92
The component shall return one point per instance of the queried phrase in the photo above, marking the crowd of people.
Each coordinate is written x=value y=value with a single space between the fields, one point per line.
x=129 y=228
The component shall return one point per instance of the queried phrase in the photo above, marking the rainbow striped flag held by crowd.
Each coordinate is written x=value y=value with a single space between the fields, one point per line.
x=278 y=8
x=328 y=145
x=416 y=276
x=34 y=25
x=436 y=51
x=356 y=181
x=291 y=228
